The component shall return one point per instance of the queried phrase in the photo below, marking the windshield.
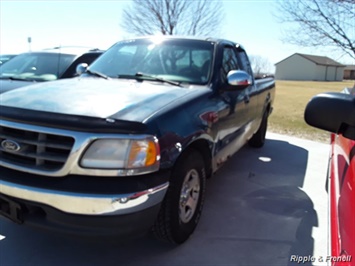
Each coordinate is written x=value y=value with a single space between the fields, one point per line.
x=5 y=58
x=172 y=59
x=36 y=66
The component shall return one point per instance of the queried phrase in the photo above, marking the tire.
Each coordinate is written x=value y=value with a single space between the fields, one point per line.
x=181 y=209
x=258 y=139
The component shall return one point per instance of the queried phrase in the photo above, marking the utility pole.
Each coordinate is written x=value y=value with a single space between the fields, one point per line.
x=29 y=40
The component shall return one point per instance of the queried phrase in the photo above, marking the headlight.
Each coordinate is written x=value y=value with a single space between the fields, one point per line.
x=123 y=154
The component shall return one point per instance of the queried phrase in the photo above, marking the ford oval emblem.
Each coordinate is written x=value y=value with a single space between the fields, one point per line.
x=10 y=145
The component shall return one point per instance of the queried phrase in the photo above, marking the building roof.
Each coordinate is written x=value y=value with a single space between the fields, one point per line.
x=350 y=67
x=318 y=60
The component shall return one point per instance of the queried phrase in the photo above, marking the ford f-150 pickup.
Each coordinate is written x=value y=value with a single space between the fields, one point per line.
x=127 y=146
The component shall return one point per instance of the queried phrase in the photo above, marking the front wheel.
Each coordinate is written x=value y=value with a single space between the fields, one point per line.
x=182 y=206
x=258 y=139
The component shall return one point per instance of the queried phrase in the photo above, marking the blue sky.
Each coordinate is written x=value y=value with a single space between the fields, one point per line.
x=96 y=24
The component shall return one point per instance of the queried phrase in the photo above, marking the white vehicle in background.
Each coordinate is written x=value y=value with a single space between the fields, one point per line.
x=46 y=65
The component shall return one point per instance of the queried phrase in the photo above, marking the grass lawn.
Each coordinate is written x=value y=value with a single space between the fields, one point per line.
x=290 y=101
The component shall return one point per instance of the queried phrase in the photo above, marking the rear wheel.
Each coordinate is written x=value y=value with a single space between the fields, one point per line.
x=182 y=206
x=258 y=139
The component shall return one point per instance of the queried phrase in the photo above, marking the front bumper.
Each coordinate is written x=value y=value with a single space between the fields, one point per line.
x=87 y=204
x=120 y=206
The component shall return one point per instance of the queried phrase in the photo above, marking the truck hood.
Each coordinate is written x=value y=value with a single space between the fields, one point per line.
x=95 y=97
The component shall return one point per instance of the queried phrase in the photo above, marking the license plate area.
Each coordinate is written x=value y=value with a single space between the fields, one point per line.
x=11 y=209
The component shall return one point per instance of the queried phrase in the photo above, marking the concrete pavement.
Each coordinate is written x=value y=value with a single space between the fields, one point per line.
x=262 y=207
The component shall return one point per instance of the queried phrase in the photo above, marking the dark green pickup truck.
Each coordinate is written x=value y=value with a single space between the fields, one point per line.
x=127 y=146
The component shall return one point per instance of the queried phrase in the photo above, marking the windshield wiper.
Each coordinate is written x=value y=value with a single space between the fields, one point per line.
x=97 y=74
x=14 y=78
x=155 y=78
x=140 y=75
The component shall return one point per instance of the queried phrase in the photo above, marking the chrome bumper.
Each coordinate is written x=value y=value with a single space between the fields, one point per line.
x=87 y=204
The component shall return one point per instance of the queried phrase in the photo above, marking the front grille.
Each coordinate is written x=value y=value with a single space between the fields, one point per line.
x=34 y=150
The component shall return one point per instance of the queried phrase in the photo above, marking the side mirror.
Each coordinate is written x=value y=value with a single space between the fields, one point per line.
x=81 y=68
x=332 y=111
x=238 y=79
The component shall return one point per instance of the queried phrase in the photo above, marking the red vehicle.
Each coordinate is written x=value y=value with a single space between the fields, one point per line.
x=335 y=112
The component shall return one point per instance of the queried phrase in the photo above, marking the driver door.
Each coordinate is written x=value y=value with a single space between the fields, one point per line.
x=234 y=112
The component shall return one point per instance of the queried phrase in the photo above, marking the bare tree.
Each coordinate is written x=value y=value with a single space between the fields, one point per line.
x=173 y=17
x=260 y=65
x=327 y=23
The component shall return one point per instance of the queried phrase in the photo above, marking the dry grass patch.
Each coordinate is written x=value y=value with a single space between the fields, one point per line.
x=290 y=101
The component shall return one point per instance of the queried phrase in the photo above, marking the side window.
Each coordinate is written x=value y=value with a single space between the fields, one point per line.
x=230 y=62
x=244 y=62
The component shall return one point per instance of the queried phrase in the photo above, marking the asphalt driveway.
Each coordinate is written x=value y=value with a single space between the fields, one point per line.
x=262 y=207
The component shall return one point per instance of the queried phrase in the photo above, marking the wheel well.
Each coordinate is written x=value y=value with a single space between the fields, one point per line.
x=203 y=147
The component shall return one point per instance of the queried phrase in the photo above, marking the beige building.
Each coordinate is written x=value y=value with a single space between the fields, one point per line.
x=309 y=67
x=349 y=72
